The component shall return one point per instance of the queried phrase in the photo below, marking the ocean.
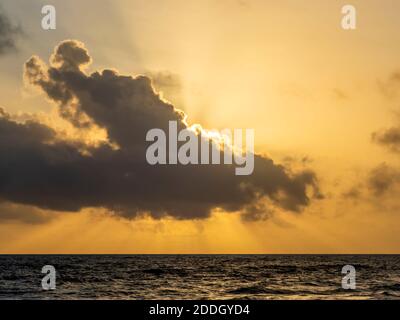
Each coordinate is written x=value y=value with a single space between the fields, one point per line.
x=200 y=276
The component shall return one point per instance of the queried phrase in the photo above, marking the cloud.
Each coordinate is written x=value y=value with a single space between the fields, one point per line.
x=8 y=34
x=390 y=87
x=389 y=138
x=340 y=94
x=382 y=178
x=353 y=193
x=45 y=171
x=379 y=181
x=169 y=84
x=11 y=212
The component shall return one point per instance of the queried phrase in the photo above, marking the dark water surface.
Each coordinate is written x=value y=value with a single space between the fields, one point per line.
x=200 y=276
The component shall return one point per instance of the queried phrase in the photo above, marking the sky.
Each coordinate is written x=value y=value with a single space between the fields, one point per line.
x=76 y=102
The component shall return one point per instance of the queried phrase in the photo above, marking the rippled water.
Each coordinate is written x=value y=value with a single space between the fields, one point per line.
x=199 y=276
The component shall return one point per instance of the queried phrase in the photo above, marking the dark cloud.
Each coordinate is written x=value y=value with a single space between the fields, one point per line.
x=255 y=212
x=39 y=169
x=8 y=34
x=11 y=212
x=389 y=138
x=382 y=178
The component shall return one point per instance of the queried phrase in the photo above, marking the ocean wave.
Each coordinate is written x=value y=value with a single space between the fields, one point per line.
x=189 y=277
x=258 y=290
x=165 y=271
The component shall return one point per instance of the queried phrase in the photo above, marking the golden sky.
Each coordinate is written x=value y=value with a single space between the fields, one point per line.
x=314 y=94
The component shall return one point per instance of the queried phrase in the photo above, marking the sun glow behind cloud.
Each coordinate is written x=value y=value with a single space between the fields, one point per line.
x=307 y=88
